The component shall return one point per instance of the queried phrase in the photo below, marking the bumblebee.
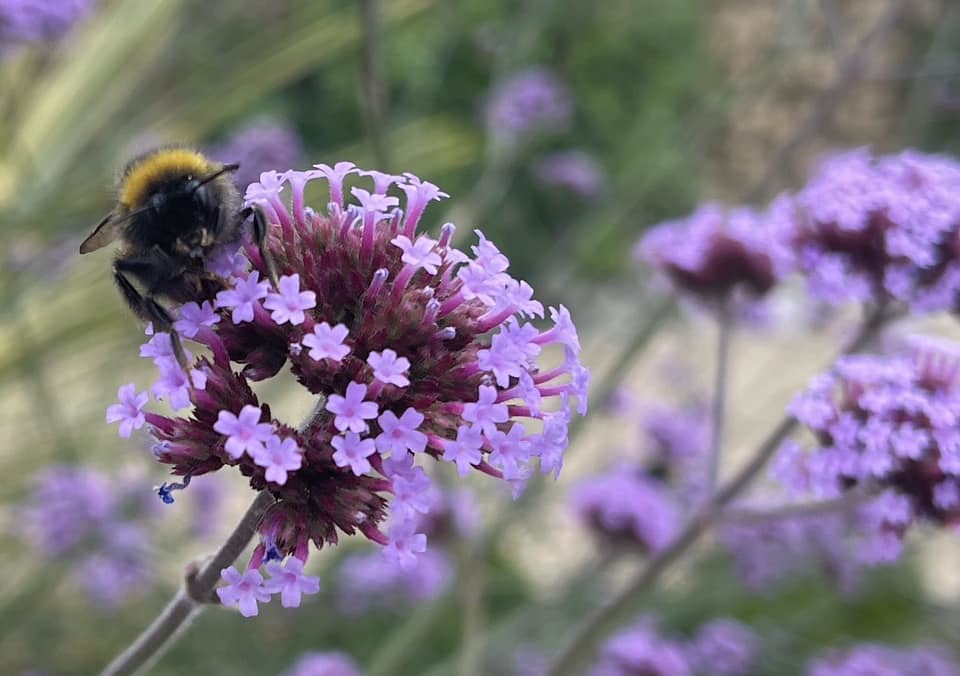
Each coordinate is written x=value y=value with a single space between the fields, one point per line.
x=174 y=207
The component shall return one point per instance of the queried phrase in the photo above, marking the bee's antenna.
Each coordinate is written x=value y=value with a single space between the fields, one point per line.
x=225 y=169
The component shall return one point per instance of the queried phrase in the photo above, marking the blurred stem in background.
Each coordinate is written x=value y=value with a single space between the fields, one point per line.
x=721 y=367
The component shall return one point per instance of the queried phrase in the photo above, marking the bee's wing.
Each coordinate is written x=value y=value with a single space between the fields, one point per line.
x=106 y=231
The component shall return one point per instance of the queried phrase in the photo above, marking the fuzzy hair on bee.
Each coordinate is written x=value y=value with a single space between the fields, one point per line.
x=175 y=207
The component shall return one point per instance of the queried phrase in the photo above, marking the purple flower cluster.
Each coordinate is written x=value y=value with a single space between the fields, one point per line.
x=885 y=422
x=413 y=348
x=723 y=647
x=261 y=145
x=676 y=441
x=864 y=228
x=716 y=253
x=625 y=506
x=528 y=101
x=24 y=21
x=324 y=664
x=876 y=229
x=881 y=660
x=92 y=520
x=572 y=170
x=642 y=503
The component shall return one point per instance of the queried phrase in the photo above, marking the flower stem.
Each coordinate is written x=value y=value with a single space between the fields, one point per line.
x=724 y=331
x=609 y=616
x=195 y=592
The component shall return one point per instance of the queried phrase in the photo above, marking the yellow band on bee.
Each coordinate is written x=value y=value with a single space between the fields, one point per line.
x=168 y=162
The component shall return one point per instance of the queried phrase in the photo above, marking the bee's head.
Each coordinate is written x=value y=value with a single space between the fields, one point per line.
x=178 y=191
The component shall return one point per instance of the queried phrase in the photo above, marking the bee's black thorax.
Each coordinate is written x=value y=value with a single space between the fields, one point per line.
x=185 y=220
x=179 y=224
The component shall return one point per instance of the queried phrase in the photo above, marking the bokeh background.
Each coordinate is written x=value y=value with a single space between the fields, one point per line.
x=624 y=113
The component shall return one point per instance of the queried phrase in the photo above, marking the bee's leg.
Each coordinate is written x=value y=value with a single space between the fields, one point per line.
x=148 y=309
x=260 y=229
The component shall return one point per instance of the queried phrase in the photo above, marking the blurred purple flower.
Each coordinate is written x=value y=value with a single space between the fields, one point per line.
x=260 y=146
x=768 y=551
x=119 y=567
x=640 y=649
x=368 y=580
x=23 y=21
x=91 y=520
x=871 y=659
x=624 y=506
x=885 y=422
x=529 y=660
x=872 y=229
x=206 y=495
x=66 y=505
x=675 y=436
x=724 y=647
x=324 y=664
x=716 y=253
x=526 y=102
x=572 y=170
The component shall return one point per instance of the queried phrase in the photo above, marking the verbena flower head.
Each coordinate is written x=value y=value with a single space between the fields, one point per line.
x=724 y=647
x=624 y=506
x=716 y=253
x=876 y=229
x=641 y=502
x=640 y=649
x=872 y=658
x=95 y=522
x=573 y=170
x=23 y=21
x=886 y=422
x=415 y=351
x=528 y=101
x=261 y=145
x=675 y=441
